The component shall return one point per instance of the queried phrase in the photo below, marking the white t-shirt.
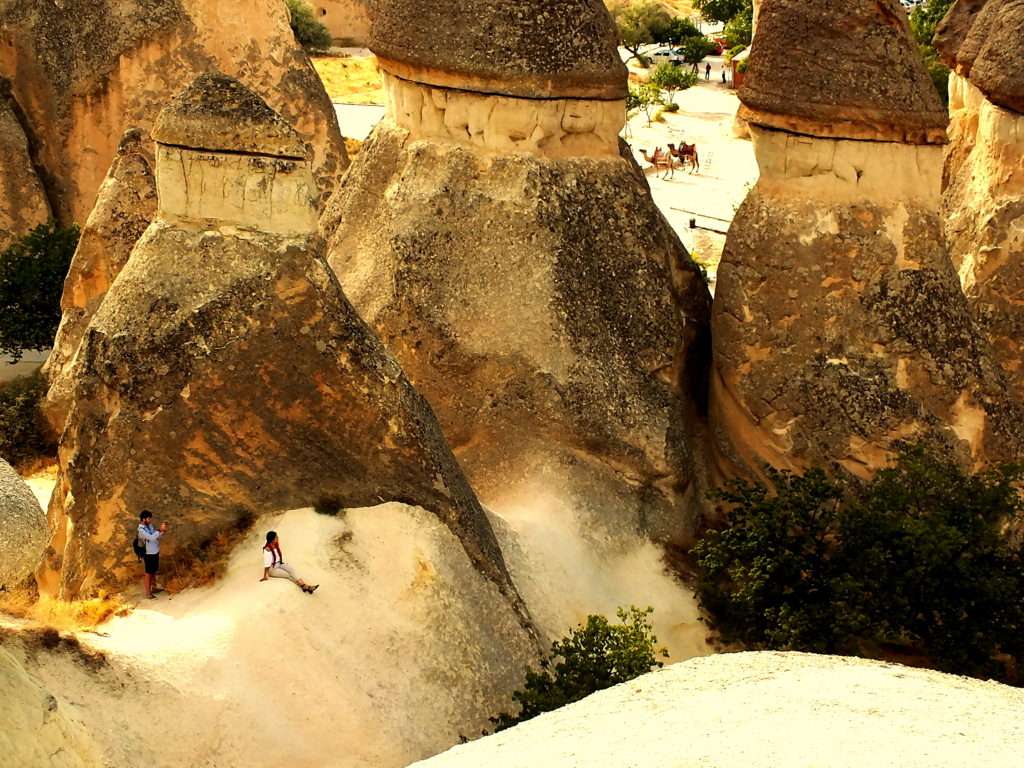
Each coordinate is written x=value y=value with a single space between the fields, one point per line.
x=268 y=558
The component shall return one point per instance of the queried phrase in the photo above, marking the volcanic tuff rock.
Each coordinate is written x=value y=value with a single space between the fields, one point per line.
x=530 y=48
x=831 y=68
x=512 y=259
x=85 y=70
x=839 y=325
x=225 y=375
x=125 y=206
x=983 y=198
x=22 y=529
x=23 y=202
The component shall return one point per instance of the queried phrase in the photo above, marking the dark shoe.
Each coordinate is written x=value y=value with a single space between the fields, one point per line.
x=314 y=588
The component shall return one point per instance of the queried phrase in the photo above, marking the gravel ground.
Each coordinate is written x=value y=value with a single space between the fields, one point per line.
x=768 y=710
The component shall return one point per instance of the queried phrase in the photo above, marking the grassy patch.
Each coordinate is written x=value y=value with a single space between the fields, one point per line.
x=350 y=79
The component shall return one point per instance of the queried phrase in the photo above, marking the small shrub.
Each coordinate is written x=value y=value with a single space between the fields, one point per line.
x=331 y=506
x=673 y=107
x=32 y=272
x=918 y=559
x=734 y=52
x=23 y=433
x=309 y=32
x=592 y=657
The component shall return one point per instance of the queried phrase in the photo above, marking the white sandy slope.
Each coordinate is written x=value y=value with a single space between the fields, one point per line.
x=404 y=648
x=769 y=710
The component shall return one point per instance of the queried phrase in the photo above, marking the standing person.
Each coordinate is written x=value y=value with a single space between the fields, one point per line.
x=707 y=71
x=723 y=74
x=150 y=538
x=274 y=565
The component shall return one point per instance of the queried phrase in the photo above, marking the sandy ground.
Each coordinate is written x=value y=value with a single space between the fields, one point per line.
x=728 y=167
x=768 y=710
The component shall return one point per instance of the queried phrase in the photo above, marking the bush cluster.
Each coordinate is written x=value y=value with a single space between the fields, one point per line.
x=590 y=658
x=23 y=434
x=916 y=561
x=309 y=32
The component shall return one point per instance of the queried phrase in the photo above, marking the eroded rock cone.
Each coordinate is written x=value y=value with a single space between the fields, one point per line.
x=23 y=203
x=22 y=529
x=512 y=259
x=983 y=196
x=839 y=324
x=226 y=375
x=83 y=71
x=125 y=206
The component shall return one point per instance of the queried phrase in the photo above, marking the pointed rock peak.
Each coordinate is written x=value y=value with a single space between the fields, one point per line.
x=218 y=113
x=846 y=70
x=952 y=31
x=529 y=48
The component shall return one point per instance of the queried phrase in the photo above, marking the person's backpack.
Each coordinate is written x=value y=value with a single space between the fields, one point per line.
x=138 y=547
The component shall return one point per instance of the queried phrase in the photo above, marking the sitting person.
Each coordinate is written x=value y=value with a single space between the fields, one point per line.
x=274 y=565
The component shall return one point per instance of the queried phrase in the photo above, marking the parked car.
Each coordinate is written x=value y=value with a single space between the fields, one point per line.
x=667 y=55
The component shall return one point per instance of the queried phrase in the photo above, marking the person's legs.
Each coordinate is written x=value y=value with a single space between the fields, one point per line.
x=285 y=571
x=152 y=564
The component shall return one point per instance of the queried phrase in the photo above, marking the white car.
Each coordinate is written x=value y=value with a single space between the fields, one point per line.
x=663 y=55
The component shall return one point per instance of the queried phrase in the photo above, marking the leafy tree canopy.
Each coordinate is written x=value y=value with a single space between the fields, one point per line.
x=917 y=559
x=925 y=17
x=32 y=272
x=309 y=32
x=590 y=658
x=724 y=10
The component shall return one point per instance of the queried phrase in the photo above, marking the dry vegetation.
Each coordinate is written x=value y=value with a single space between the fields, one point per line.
x=350 y=79
x=675 y=7
x=61 y=615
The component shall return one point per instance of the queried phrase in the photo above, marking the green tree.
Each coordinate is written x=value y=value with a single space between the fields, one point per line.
x=23 y=432
x=309 y=32
x=923 y=21
x=640 y=24
x=724 y=11
x=32 y=272
x=644 y=98
x=739 y=30
x=918 y=558
x=680 y=29
x=670 y=78
x=590 y=658
x=696 y=49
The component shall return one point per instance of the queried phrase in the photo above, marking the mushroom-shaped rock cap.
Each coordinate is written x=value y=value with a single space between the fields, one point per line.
x=992 y=51
x=218 y=113
x=841 y=69
x=525 y=48
x=952 y=31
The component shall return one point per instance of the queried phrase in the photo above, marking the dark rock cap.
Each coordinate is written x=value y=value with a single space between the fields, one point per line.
x=991 y=53
x=841 y=69
x=526 y=48
x=218 y=113
x=952 y=31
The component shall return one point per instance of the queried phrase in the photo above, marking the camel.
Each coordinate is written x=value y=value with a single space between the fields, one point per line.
x=661 y=159
x=687 y=155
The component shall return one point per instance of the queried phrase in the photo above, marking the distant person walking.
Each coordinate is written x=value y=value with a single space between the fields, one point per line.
x=723 y=75
x=150 y=537
x=274 y=565
x=707 y=71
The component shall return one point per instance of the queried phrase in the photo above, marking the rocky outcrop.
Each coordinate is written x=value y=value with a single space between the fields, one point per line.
x=764 y=710
x=22 y=529
x=85 y=70
x=23 y=202
x=348 y=21
x=839 y=325
x=226 y=375
x=125 y=206
x=514 y=262
x=983 y=195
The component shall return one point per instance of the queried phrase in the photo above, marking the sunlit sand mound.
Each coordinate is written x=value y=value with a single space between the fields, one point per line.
x=404 y=648
x=769 y=710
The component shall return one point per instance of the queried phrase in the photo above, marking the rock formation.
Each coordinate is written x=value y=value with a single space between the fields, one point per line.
x=85 y=70
x=348 y=21
x=23 y=202
x=983 y=201
x=226 y=375
x=839 y=325
x=125 y=205
x=493 y=234
x=22 y=529
x=765 y=710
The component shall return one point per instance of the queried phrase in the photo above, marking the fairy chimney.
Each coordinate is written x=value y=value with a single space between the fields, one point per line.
x=839 y=326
